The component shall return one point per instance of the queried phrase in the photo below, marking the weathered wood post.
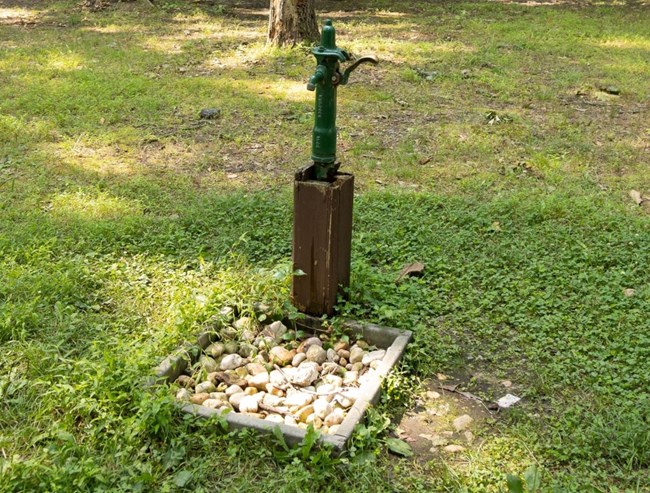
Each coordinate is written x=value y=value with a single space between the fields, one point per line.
x=323 y=197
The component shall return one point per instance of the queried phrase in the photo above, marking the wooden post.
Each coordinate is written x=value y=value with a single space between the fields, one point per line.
x=322 y=240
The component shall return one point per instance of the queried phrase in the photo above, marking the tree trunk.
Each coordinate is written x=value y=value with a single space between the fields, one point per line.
x=292 y=21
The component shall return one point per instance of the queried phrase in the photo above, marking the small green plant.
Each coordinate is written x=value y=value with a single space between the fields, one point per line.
x=531 y=483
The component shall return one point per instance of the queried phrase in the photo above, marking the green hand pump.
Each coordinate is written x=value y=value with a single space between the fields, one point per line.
x=325 y=81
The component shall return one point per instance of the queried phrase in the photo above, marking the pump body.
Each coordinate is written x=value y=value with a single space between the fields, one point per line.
x=325 y=82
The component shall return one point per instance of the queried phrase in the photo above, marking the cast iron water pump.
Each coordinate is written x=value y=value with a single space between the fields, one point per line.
x=322 y=198
x=325 y=81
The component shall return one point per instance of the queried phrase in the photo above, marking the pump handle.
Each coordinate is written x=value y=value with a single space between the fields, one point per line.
x=364 y=59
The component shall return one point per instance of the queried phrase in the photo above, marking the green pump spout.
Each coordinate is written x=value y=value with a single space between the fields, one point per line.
x=325 y=81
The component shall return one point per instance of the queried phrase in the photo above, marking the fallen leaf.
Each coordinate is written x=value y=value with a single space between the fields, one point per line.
x=415 y=269
x=182 y=478
x=399 y=447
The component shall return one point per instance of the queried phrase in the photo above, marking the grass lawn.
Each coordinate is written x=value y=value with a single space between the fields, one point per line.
x=487 y=144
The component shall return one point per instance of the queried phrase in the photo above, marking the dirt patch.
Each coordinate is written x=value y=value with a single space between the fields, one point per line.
x=448 y=420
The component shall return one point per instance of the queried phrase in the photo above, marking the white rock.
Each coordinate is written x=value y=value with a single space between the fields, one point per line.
x=272 y=389
x=351 y=377
x=344 y=402
x=334 y=380
x=310 y=364
x=208 y=363
x=215 y=349
x=373 y=356
x=212 y=403
x=236 y=399
x=183 y=395
x=274 y=418
x=273 y=400
x=262 y=358
x=255 y=368
x=332 y=356
x=462 y=422
x=281 y=355
x=302 y=376
x=331 y=367
x=454 y=448
x=322 y=408
x=248 y=404
x=362 y=344
x=325 y=388
x=233 y=389
x=199 y=398
x=508 y=400
x=335 y=417
x=317 y=354
x=247 y=350
x=290 y=420
x=231 y=362
x=276 y=330
x=356 y=354
x=303 y=413
x=368 y=377
x=186 y=381
x=333 y=429
x=205 y=387
x=352 y=394
x=312 y=341
x=277 y=378
x=258 y=381
x=315 y=421
x=299 y=399
x=259 y=396
x=341 y=346
x=298 y=358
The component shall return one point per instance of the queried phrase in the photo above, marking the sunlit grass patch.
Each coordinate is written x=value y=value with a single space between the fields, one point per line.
x=625 y=43
x=92 y=206
x=13 y=14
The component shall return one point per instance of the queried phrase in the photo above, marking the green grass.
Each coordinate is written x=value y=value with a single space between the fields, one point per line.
x=125 y=224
